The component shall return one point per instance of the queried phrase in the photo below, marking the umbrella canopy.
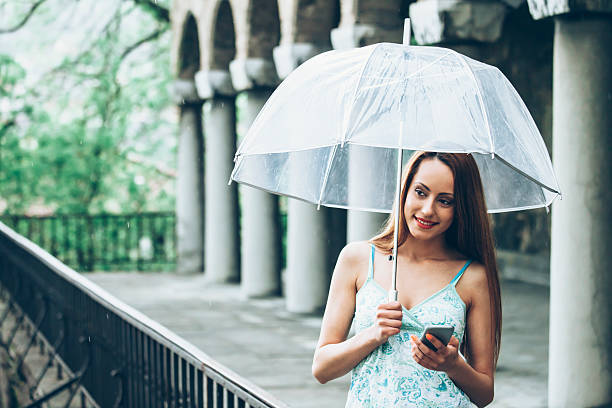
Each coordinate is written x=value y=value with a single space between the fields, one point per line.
x=359 y=108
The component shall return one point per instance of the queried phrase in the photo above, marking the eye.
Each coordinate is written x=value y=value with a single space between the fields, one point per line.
x=419 y=192
x=446 y=202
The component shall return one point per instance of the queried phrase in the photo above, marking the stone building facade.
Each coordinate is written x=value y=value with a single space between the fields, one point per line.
x=555 y=52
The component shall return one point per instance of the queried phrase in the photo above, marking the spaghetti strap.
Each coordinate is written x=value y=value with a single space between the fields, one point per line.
x=460 y=273
x=371 y=267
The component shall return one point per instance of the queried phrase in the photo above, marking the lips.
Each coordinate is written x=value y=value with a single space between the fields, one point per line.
x=425 y=224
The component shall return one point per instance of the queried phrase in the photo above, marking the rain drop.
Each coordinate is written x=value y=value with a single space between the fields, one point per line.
x=89 y=339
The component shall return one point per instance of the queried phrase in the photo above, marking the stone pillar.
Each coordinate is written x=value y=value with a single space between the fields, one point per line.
x=221 y=235
x=309 y=239
x=580 y=357
x=189 y=181
x=361 y=225
x=260 y=230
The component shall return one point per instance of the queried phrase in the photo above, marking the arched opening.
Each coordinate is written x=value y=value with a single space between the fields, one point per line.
x=264 y=28
x=315 y=20
x=190 y=180
x=189 y=51
x=224 y=38
x=383 y=14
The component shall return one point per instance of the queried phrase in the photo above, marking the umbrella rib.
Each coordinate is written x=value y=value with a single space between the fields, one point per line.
x=327 y=170
x=522 y=173
x=409 y=76
x=347 y=118
x=480 y=100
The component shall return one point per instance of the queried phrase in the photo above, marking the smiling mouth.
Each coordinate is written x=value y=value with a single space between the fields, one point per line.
x=424 y=223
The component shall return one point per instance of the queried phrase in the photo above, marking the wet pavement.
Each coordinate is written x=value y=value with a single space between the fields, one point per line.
x=261 y=341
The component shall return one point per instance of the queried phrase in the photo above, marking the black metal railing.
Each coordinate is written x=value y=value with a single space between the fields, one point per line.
x=119 y=356
x=140 y=241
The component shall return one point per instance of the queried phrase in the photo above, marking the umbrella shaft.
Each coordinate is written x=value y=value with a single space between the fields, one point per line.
x=398 y=191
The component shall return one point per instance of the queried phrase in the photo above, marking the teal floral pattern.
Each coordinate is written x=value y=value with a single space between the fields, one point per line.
x=389 y=376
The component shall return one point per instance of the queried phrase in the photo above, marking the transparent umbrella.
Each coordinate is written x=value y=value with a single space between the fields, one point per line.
x=362 y=108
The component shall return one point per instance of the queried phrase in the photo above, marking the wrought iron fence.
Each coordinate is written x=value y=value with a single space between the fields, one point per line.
x=121 y=357
x=140 y=241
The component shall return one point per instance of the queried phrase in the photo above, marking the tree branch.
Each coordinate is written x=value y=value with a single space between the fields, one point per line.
x=24 y=19
x=150 y=37
x=4 y=127
x=160 y=168
x=159 y=12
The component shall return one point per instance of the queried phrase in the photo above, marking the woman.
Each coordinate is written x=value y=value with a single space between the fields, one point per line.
x=447 y=275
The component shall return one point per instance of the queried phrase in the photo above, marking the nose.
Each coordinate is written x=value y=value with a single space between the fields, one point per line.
x=428 y=207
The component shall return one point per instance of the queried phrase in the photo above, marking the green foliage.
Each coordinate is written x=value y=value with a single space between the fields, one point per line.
x=69 y=140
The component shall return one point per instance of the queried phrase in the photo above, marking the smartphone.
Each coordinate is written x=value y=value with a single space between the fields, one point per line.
x=442 y=333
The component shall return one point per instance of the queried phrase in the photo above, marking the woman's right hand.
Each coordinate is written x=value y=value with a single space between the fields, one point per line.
x=388 y=321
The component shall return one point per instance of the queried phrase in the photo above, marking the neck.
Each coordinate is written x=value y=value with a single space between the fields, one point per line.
x=420 y=250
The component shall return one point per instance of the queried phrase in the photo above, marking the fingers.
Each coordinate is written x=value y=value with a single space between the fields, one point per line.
x=390 y=323
x=389 y=314
x=423 y=348
x=391 y=306
x=423 y=354
x=454 y=342
x=436 y=343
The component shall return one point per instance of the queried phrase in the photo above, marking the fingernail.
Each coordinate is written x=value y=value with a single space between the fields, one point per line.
x=429 y=336
x=413 y=337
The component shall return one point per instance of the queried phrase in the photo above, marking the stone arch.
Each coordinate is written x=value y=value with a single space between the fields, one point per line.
x=315 y=19
x=189 y=49
x=223 y=37
x=383 y=14
x=264 y=28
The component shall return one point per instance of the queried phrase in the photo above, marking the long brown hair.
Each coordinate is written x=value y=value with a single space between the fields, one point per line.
x=470 y=232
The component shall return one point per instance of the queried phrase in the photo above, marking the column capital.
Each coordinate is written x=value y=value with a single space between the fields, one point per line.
x=184 y=92
x=214 y=82
x=358 y=35
x=440 y=21
x=250 y=73
x=549 y=8
x=288 y=57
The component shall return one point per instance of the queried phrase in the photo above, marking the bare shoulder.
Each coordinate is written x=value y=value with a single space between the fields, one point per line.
x=354 y=253
x=473 y=282
x=351 y=260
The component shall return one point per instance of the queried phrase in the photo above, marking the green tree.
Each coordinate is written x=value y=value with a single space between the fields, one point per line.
x=95 y=132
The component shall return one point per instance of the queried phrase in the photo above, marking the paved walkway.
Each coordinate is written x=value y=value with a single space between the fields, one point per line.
x=260 y=341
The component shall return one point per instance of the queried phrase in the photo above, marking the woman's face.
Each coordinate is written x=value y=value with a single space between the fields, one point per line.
x=430 y=203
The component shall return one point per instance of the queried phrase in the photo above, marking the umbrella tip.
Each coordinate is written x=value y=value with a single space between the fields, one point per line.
x=406 y=40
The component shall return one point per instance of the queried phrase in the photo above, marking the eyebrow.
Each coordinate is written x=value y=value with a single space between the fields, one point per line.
x=428 y=189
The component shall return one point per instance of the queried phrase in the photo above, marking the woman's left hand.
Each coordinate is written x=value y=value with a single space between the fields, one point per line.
x=445 y=359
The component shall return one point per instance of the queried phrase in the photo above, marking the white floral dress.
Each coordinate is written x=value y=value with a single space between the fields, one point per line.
x=389 y=376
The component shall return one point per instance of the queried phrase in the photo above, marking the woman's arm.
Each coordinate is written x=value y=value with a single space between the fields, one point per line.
x=474 y=377
x=335 y=355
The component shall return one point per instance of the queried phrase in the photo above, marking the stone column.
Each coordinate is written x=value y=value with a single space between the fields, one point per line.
x=310 y=240
x=189 y=182
x=580 y=357
x=221 y=235
x=361 y=225
x=260 y=231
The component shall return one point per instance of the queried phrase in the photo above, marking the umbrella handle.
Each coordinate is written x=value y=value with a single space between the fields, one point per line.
x=392 y=295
